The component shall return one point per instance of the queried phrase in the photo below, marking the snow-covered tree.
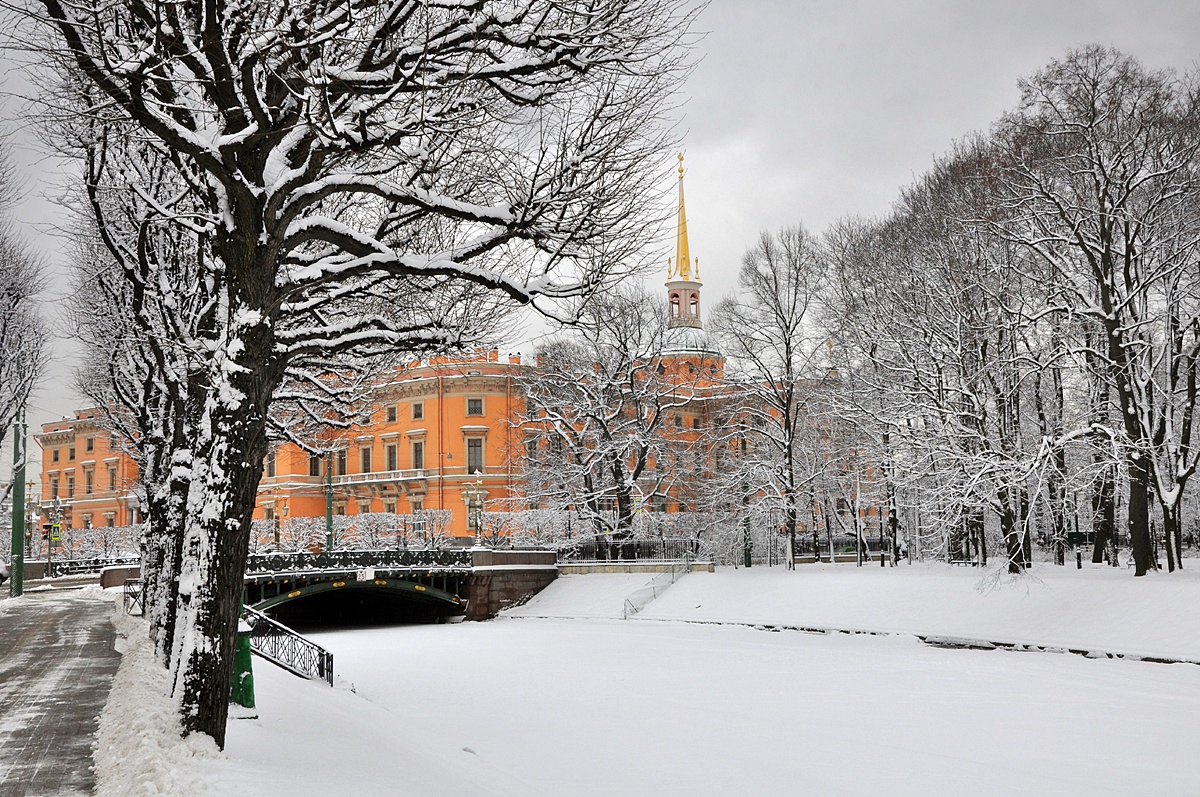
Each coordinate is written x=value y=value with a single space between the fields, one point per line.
x=333 y=162
x=24 y=337
x=770 y=331
x=603 y=432
x=1101 y=163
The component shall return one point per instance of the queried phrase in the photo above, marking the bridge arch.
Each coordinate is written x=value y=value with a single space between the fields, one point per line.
x=339 y=600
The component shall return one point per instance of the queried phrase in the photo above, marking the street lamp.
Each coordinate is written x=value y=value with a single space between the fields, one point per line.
x=475 y=498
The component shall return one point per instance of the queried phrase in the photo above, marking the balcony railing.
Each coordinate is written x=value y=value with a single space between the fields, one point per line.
x=382 y=476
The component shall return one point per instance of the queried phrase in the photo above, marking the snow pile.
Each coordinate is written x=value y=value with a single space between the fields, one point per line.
x=7 y=603
x=139 y=752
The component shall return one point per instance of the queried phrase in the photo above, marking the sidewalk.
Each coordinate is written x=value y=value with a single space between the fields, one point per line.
x=57 y=663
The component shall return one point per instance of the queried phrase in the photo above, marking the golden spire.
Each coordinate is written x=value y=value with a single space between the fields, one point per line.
x=682 y=268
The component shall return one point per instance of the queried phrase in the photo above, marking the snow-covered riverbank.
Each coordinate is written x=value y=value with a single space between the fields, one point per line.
x=596 y=706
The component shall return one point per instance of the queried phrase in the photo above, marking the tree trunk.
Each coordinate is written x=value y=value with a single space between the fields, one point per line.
x=1139 y=516
x=1170 y=515
x=1104 y=513
x=1012 y=529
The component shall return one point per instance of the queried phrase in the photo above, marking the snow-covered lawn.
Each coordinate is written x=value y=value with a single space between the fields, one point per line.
x=594 y=706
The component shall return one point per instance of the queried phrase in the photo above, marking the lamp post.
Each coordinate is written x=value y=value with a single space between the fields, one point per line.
x=475 y=499
x=329 y=500
x=17 y=568
x=747 y=543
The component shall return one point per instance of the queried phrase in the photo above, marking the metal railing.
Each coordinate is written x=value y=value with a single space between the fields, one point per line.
x=70 y=567
x=355 y=560
x=285 y=648
x=657 y=586
x=135 y=596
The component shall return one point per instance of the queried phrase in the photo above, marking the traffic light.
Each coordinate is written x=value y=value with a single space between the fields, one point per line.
x=45 y=531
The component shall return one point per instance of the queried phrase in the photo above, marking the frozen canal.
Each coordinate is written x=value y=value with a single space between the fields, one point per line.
x=593 y=706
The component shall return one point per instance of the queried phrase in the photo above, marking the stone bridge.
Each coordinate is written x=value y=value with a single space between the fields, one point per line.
x=472 y=582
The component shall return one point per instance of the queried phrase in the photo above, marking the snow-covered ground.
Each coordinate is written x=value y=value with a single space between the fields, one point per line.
x=1097 y=607
x=535 y=703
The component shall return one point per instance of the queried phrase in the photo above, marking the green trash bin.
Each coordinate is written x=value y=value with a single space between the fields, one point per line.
x=242 y=692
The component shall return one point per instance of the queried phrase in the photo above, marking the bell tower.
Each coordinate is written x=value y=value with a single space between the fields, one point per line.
x=683 y=275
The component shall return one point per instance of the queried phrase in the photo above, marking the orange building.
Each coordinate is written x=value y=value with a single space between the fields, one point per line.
x=87 y=473
x=442 y=434
x=439 y=437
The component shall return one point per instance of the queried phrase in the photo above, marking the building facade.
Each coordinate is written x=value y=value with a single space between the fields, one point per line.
x=440 y=436
x=88 y=477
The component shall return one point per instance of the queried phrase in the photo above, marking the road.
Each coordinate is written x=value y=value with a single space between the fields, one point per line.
x=57 y=663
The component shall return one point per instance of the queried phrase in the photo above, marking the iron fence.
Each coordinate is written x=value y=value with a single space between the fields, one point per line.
x=282 y=646
x=354 y=560
x=602 y=549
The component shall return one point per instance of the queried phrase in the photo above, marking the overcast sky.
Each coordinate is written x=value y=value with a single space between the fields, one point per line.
x=810 y=110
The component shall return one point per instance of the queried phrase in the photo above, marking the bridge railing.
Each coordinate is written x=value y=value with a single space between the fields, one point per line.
x=70 y=567
x=354 y=560
x=282 y=646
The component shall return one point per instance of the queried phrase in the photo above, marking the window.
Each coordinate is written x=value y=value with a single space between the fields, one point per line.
x=270 y=468
x=86 y=519
x=54 y=455
x=314 y=464
x=391 y=413
x=531 y=447
x=89 y=444
x=112 y=478
x=70 y=486
x=418 y=455
x=364 y=506
x=391 y=452
x=475 y=455
x=389 y=505
x=71 y=453
x=53 y=486
x=109 y=520
x=339 y=507
x=268 y=513
x=89 y=481
x=416 y=505
x=418 y=410
x=474 y=406
x=696 y=422
x=341 y=463
x=364 y=458
x=678 y=422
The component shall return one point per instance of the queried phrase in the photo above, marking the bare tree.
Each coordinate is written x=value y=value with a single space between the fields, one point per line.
x=1100 y=169
x=24 y=337
x=770 y=332
x=329 y=159
x=601 y=408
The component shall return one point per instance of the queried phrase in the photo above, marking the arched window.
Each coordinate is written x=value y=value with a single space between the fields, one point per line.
x=694 y=305
x=674 y=305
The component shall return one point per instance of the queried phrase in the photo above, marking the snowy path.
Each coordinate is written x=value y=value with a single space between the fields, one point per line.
x=56 y=666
